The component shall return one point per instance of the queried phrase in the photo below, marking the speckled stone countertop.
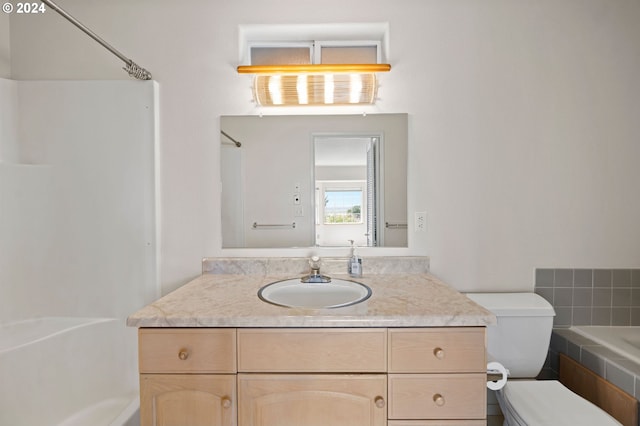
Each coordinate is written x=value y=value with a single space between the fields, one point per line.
x=404 y=294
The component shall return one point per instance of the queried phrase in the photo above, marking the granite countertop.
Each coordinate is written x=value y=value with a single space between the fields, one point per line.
x=225 y=295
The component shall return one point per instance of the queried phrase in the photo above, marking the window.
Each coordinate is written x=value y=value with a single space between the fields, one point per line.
x=343 y=206
x=347 y=52
x=265 y=53
x=351 y=34
x=341 y=202
x=314 y=52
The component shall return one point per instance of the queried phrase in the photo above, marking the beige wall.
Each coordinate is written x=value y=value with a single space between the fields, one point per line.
x=523 y=119
x=5 y=54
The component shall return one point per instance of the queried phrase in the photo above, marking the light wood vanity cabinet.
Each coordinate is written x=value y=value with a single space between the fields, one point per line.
x=313 y=376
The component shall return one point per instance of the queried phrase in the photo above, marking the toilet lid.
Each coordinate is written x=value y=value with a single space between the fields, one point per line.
x=548 y=402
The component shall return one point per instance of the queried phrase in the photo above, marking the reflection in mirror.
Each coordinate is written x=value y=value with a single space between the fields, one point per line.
x=301 y=181
x=346 y=172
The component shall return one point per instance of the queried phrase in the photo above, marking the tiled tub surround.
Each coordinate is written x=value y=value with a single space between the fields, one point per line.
x=606 y=363
x=601 y=297
x=591 y=296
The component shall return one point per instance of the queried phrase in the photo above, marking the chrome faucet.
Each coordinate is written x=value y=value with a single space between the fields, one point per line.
x=314 y=275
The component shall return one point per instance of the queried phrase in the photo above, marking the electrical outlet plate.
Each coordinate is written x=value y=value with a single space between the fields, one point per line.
x=420 y=221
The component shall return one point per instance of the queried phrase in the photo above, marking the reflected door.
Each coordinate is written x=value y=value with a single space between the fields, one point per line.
x=346 y=170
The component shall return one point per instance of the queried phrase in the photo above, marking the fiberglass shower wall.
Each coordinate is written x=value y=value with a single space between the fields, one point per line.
x=78 y=203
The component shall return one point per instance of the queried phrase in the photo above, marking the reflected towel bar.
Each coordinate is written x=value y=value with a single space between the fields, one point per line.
x=256 y=225
x=395 y=225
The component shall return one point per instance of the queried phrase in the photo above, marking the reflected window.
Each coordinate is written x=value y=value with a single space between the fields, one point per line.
x=343 y=205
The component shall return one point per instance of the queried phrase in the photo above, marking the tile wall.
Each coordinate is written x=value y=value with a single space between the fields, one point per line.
x=615 y=368
x=591 y=296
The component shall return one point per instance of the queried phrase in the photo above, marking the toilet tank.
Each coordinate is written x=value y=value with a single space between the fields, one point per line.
x=520 y=339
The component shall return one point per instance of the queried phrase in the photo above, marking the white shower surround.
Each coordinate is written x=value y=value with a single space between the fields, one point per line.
x=78 y=247
x=66 y=371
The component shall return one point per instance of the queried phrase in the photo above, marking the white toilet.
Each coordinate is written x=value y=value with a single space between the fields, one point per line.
x=520 y=342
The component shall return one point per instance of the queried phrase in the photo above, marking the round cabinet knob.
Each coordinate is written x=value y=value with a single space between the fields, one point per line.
x=379 y=401
x=438 y=399
x=226 y=402
x=183 y=354
x=438 y=353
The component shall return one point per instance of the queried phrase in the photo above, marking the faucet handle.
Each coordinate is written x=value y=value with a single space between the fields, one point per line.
x=314 y=262
x=314 y=275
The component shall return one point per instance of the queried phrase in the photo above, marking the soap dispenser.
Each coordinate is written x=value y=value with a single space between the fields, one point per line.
x=354 y=267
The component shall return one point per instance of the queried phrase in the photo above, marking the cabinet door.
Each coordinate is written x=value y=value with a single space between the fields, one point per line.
x=187 y=400
x=312 y=400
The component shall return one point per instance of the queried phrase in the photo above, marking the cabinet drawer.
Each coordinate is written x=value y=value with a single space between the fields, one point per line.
x=312 y=350
x=437 y=350
x=437 y=396
x=188 y=350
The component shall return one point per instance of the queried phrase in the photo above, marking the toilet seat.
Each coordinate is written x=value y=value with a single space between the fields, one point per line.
x=548 y=402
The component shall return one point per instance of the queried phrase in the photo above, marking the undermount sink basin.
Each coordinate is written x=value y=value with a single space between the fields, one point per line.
x=293 y=293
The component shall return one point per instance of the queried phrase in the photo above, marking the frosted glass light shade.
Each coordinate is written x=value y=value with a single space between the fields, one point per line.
x=314 y=84
x=315 y=89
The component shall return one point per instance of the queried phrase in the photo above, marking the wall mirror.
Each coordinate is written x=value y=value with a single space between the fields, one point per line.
x=314 y=180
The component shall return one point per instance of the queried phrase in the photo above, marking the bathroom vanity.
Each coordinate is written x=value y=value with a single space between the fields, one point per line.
x=213 y=353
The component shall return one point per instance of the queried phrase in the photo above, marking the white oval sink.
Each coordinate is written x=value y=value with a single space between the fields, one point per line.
x=293 y=293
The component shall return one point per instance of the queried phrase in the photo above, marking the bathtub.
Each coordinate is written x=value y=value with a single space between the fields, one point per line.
x=67 y=371
x=624 y=340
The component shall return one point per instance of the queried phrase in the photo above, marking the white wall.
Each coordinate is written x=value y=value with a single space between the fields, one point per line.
x=523 y=119
x=9 y=151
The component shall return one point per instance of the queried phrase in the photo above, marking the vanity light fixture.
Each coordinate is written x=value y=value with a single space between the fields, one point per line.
x=314 y=84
